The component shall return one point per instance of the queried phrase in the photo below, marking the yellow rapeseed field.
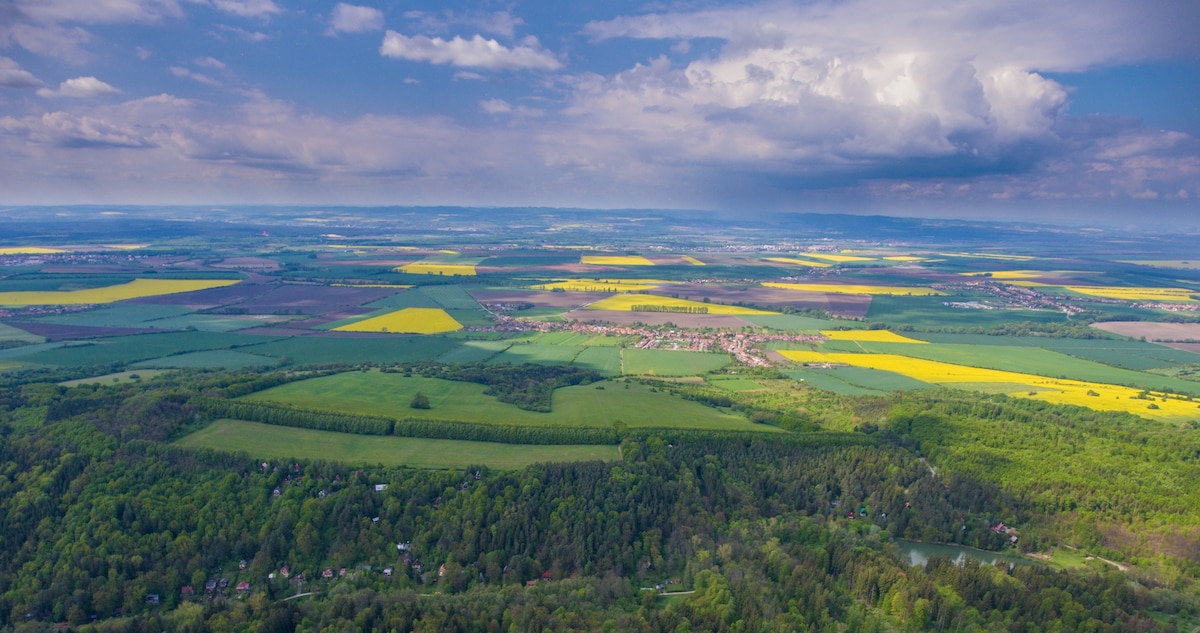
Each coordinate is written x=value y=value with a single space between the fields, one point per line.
x=406 y=321
x=798 y=262
x=626 y=302
x=29 y=250
x=108 y=294
x=125 y=247
x=1055 y=390
x=1165 y=263
x=1007 y=258
x=1007 y=274
x=904 y=258
x=869 y=336
x=399 y=286
x=693 y=261
x=435 y=268
x=838 y=258
x=857 y=289
x=603 y=285
x=1173 y=295
x=615 y=260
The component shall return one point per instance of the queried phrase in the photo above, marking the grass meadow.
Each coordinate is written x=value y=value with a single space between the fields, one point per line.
x=265 y=441
x=596 y=405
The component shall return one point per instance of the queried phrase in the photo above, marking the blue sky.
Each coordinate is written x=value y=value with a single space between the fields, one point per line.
x=759 y=106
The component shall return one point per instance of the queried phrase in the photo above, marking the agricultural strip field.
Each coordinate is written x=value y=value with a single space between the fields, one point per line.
x=438 y=268
x=406 y=321
x=1153 y=331
x=869 y=336
x=10 y=333
x=108 y=294
x=932 y=312
x=222 y=358
x=606 y=360
x=615 y=260
x=629 y=302
x=1034 y=360
x=798 y=262
x=603 y=285
x=857 y=378
x=1098 y=396
x=1170 y=295
x=857 y=289
x=321 y=350
x=388 y=395
x=125 y=349
x=1129 y=354
x=473 y=351
x=519 y=353
x=655 y=362
x=841 y=259
x=119 y=315
x=277 y=442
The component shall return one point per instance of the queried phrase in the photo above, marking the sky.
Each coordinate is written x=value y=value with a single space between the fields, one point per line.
x=986 y=107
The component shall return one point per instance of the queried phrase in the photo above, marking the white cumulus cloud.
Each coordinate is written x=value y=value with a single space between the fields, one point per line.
x=350 y=18
x=247 y=8
x=477 y=52
x=80 y=88
x=13 y=76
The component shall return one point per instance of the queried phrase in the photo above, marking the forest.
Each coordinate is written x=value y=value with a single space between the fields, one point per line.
x=106 y=526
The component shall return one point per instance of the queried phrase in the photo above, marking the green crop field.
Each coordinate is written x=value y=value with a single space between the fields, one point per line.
x=830 y=380
x=1126 y=353
x=930 y=312
x=120 y=315
x=451 y=297
x=539 y=354
x=474 y=351
x=1035 y=360
x=863 y=377
x=264 y=441
x=222 y=358
x=411 y=298
x=606 y=360
x=10 y=333
x=314 y=350
x=657 y=362
x=735 y=384
x=800 y=323
x=135 y=347
x=206 y=323
x=594 y=405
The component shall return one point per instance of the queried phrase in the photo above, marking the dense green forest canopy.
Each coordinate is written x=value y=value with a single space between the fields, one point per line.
x=106 y=526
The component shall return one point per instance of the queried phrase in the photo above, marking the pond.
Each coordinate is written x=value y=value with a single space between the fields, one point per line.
x=919 y=553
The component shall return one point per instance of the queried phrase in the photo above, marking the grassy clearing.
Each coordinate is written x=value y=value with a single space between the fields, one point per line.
x=278 y=442
x=117 y=377
x=595 y=405
x=627 y=303
x=1093 y=395
x=406 y=321
x=656 y=362
x=223 y=358
x=108 y=294
x=858 y=289
x=615 y=260
x=735 y=384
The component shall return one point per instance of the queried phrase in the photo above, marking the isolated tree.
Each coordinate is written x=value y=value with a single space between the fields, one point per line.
x=419 y=401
